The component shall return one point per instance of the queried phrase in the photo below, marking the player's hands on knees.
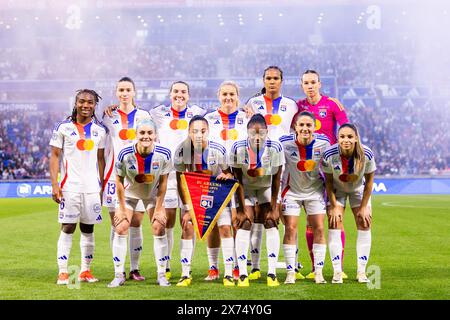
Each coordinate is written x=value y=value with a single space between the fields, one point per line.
x=56 y=193
x=241 y=217
x=334 y=218
x=119 y=216
x=160 y=216
x=109 y=110
x=186 y=219
x=273 y=215
x=364 y=216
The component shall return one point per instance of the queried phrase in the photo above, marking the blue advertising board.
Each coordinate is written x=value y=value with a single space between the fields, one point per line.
x=43 y=189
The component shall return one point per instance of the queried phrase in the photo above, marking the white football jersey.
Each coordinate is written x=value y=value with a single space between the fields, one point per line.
x=342 y=168
x=278 y=113
x=304 y=179
x=121 y=131
x=79 y=144
x=214 y=158
x=227 y=128
x=173 y=125
x=257 y=169
x=142 y=174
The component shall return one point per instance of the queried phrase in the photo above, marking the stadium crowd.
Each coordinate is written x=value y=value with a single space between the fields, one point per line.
x=352 y=63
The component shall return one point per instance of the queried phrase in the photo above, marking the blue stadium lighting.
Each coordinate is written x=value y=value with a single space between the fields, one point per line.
x=199 y=16
x=280 y=14
x=219 y=16
x=179 y=16
x=139 y=17
x=118 y=17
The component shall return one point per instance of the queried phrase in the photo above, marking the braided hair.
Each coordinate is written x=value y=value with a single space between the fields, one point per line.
x=73 y=116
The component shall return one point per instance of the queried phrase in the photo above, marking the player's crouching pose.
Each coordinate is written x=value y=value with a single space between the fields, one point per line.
x=199 y=154
x=144 y=167
x=304 y=187
x=257 y=163
x=349 y=167
x=80 y=140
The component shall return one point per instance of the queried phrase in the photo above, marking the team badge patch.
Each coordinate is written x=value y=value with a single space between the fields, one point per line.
x=206 y=202
x=322 y=113
x=155 y=165
x=283 y=108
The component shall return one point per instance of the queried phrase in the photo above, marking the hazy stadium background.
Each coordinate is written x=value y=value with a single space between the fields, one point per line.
x=386 y=61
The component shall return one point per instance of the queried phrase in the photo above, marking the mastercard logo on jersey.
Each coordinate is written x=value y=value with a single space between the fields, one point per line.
x=178 y=124
x=229 y=134
x=144 y=178
x=306 y=166
x=85 y=144
x=127 y=134
x=257 y=172
x=348 y=177
x=273 y=119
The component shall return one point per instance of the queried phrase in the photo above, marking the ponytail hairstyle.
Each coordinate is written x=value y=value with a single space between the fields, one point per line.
x=73 y=116
x=128 y=79
x=301 y=114
x=275 y=68
x=263 y=90
x=311 y=71
x=358 y=151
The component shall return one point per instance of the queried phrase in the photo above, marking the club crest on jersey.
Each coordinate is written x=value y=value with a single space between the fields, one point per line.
x=94 y=133
x=322 y=113
x=283 y=107
x=317 y=151
x=206 y=201
x=155 y=165
x=189 y=114
x=212 y=162
x=240 y=120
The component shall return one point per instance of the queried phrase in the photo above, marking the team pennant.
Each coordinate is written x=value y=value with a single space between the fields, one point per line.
x=208 y=197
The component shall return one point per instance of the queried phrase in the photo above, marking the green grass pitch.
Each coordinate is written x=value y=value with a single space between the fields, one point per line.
x=410 y=250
